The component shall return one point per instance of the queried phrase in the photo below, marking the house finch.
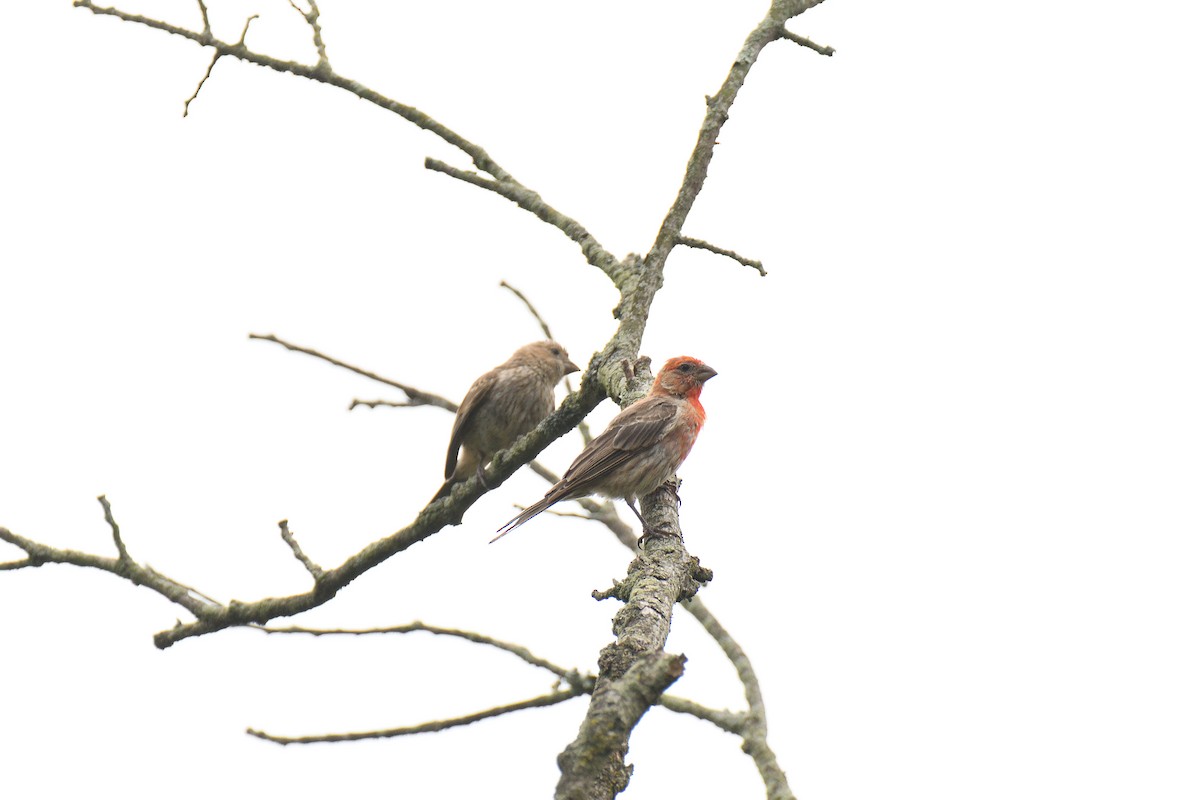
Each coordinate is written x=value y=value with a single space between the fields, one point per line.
x=640 y=448
x=501 y=406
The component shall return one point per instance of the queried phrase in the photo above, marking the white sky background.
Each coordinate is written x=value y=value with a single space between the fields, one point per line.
x=949 y=481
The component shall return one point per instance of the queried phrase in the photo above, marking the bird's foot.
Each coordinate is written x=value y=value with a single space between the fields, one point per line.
x=657 y=533
x=482 y=480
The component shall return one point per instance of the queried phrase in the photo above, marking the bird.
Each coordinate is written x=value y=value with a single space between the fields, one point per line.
x=640 y=448
x=502 y=405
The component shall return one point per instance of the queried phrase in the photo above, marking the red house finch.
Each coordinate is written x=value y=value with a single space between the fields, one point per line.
x=640 y=448
x=503 y=405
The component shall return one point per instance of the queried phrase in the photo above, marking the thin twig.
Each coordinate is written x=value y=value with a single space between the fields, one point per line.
x=477 y=154
x=314 y=570
x=754 y=731
x=726 y=720
x=130 y=570
x=806 y=42
x=216 y=55
x=207 y=73
x=418 y=397
x=700 y=244
x=207 y=30
x=532 y=310
x=241 y=42
x=312 y=17
x=355 y=403
x=517 y=650
x=122 y=553
x=542 y=701
x=192 y=590
x=532 y=202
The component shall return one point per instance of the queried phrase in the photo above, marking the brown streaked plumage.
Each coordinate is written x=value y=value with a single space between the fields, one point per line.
x=501 y=406
x=640 y=448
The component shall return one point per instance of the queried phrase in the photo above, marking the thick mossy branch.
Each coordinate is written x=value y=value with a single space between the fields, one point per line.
x=595 y=761
x=633 y=670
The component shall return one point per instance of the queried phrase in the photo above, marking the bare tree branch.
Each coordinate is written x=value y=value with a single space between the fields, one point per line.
x=634 y=671
x=207 y=31
x=312 y=17
x=314 y=570
x=187 y=104
x=437 y=515
x=806 y=42
x=239 y=51
x=532 y=310
x=38 y=554
x=700 y=244
x=542 y=701
x=569 y=675
x=532 y=202
x=28 y=561
x=726 y=720
x=767 y=31
x=356 y=402
x=207 y=74
x=416 y=396
x=505 y=184
x=754 y=728
x=122 y=553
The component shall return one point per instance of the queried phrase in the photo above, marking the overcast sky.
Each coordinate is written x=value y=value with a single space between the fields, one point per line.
x=948 y=486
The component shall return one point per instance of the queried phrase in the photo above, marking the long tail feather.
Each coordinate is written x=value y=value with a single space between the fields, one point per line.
x=524 y=516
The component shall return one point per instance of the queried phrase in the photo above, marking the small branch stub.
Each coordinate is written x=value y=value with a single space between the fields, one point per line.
x=806 y=42
x=313 y=569
x=122 y=552
x=700 y=244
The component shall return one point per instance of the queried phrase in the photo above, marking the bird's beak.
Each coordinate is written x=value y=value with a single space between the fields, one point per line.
x=704 y=372
x=570 y=367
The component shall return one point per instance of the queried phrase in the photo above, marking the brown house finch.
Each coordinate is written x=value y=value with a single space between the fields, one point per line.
x=640 y=448
x=501 y=406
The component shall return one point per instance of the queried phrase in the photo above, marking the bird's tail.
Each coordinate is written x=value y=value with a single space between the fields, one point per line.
x=525 y=516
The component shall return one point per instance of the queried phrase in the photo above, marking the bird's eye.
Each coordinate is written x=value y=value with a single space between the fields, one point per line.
x=555 y=351
x=685 y=367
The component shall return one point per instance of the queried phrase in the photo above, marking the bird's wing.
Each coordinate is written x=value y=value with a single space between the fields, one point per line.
x=640 y=426
x=633 y=430
x=475 y=398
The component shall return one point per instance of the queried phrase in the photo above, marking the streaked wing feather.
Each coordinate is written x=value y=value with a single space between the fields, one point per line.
x=470 y=404
x=633 y=430
x=642 y=427
x=647 y=426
